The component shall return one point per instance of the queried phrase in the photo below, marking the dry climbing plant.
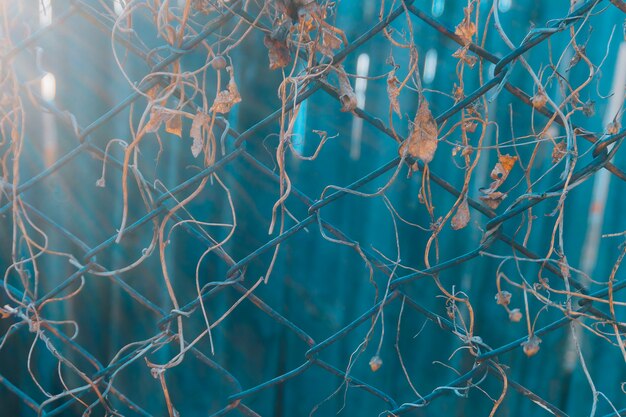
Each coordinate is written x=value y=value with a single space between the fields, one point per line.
x=308 y=49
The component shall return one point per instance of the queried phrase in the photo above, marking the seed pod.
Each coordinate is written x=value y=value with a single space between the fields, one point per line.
x=219 y=63
x=515 y=315
x=531 y=346
x=375 y=363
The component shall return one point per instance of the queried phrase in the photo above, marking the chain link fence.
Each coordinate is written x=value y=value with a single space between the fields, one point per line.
x=140 y=278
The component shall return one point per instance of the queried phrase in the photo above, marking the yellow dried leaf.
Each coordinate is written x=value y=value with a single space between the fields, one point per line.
x=501 y=171
x=462 y=216
x=466 y=29
x=507 y=162
x=422 y=141
x=174 y=125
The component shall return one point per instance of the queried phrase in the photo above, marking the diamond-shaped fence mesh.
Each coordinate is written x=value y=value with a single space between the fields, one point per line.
x=295 y=207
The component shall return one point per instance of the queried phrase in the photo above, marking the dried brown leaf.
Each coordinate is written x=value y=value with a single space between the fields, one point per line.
x=346 y=93
x=174 y=125
x=226 y=99
x=462 y=216
x=393 y=92
x=422 y=141
x=466 y=29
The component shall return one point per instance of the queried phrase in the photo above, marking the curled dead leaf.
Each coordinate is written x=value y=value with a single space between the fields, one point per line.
x=375 y=363
x=531 y=346
x=157 y=116
x=422 y=141
x=226 y=99
x=346 y=93
x=466 y=29
x=278 y=52
x=506 y=163
x=199 y=121
x=393 y=92
x=499 y=174
x=174 y=125
x=462 y=216
x=330 y=42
